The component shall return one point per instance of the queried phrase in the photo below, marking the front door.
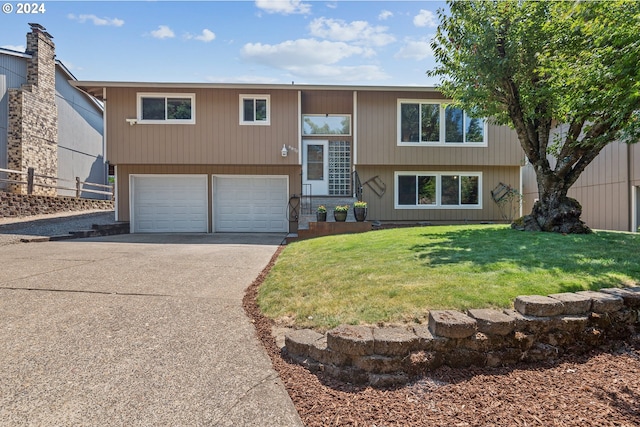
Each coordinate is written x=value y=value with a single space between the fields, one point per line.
x=315 y=166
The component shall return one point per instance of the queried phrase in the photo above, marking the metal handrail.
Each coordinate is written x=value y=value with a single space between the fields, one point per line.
x=357 y=185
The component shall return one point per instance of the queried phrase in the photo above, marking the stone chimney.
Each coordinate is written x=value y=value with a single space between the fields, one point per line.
x=33 y=115
x=41 y=68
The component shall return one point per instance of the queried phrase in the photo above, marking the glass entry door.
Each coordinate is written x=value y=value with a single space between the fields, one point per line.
x=315 y=166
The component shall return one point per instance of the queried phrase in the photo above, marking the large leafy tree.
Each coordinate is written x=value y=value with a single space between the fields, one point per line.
x=536 y=66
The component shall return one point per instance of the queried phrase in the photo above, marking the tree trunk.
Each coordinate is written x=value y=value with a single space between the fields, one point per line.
x=553 y=211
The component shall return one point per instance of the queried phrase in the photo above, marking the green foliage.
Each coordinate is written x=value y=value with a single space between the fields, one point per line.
x=534 y=64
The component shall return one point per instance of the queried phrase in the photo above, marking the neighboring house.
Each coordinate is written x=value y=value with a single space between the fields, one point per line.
x=45 y=122
x=608 y=189
x=224 y=157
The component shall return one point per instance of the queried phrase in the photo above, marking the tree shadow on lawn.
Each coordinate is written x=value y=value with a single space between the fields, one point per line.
x=602 y=256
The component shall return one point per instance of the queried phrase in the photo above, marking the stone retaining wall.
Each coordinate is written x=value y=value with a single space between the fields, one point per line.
x=538 y=329
x=13 y=205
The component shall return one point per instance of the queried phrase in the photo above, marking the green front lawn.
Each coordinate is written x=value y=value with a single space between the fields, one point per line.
x=398 y=275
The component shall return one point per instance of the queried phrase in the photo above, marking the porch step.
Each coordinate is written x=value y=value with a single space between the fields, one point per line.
x=317 y=229
x=310 y=206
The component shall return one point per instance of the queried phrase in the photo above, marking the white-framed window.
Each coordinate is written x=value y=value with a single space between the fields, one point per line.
x=326 y=124
x=255 y=109
x=438 y=190
x=427 y=123
x=167 y=108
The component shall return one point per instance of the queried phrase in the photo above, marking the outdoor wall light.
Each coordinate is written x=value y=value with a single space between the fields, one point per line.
x=132 y=121
x=286 y=148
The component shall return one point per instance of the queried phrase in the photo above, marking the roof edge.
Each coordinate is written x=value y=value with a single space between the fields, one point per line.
x=92 y=86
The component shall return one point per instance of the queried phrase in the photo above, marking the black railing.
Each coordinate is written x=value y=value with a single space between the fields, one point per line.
x=356 y=185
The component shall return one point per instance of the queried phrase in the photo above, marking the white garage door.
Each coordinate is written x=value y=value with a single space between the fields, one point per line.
x=250 y=204
x=169 y=203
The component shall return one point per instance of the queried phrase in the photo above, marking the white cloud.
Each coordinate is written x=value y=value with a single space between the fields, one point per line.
x=360 y=32
x=114 y=22
x=301 y=52
x=384 y=15
x=357 y=73
x=205 y=36
x=163 y=32
x=284 y=7
x=425 y=18
x=415 y=49
x=17 y=48
x=313 y=59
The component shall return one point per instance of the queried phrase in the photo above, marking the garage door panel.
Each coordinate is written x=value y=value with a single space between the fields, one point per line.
x=169 y=203
x=250 y=204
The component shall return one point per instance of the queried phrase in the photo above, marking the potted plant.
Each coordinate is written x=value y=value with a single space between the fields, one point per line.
x=340 y=213
x=321 y=214
x=360 y=210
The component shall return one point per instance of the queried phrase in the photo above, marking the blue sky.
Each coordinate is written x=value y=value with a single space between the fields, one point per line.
x=263 y=41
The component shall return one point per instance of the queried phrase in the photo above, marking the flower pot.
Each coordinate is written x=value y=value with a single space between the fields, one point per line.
x=360 y=214
x=340 y=216
x=321 y=216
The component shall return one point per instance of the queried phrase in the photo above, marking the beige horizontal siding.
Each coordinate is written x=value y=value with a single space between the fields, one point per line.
x=382 y=209
x=378 y=140
x=603 y=190
x=215 y=138
x=327 y=102
x=123 y=172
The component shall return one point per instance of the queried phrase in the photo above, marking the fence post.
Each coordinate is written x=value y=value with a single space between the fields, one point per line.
x=78 y=187
x=30 y=177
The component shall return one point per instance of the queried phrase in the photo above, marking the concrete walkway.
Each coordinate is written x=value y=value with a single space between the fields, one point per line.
x=135 y=330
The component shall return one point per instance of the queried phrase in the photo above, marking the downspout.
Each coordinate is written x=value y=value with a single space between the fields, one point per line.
x=354 y=129
x=104 y=150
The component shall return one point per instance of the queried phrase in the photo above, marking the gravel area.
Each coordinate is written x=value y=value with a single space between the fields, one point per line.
x=598 y=389
x=15 y=230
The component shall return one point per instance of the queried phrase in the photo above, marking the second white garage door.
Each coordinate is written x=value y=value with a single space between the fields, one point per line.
x=250 y=204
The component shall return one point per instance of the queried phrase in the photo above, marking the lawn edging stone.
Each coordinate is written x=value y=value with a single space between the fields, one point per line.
x=538 y=305
x=384 y=356
x=451 y=324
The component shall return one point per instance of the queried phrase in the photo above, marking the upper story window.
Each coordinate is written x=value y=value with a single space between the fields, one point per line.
x=255 y=109
x=438 y=190
x=423 y=122
x=166 y=108
x=326 y=124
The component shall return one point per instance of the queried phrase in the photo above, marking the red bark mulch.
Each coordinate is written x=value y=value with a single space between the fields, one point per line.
x=598 y=389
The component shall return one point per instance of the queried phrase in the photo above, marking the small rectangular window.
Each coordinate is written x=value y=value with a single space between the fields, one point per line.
x=170 y=108
x=453 y=125
x=406 y=190
x=254 y=110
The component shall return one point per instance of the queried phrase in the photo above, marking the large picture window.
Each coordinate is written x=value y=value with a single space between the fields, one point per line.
x=443 y=190
x=433 y=123
x=166 y=108
x=255 y=109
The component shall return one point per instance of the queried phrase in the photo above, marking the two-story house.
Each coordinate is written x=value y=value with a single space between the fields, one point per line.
x=193 y=157
x=45 y=122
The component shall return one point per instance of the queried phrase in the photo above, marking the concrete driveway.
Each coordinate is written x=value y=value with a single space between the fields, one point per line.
x=135 y=330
